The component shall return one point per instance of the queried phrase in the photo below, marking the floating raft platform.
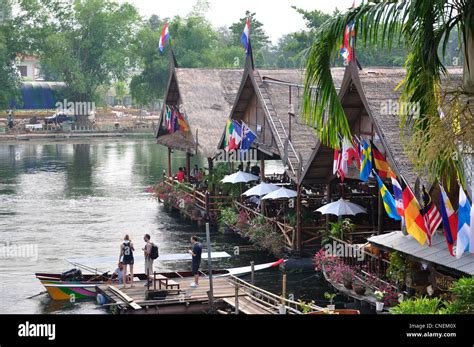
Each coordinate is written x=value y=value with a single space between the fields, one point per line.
x=230 y=295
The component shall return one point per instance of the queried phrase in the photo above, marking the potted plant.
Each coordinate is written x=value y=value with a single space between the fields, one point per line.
x=359 y=287
x=380 y=296
x=330 y=297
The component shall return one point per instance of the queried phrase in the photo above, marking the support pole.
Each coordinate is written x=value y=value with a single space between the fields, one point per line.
x=262 y=170
x=328 y=198
x=252 y=272
x=283 y=289
x=170 y=174
x=188 y=166
x=209 y=262
x=236 y=297
x=298 y=218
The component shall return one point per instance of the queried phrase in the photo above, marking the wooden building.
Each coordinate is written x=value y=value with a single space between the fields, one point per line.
x=205 y=97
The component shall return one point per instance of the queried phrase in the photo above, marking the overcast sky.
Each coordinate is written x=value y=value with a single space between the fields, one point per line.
x=277 y=16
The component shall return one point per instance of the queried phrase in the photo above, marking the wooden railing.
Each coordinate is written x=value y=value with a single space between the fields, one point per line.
x=202 y=200
x=272 y=302
x=288 y=232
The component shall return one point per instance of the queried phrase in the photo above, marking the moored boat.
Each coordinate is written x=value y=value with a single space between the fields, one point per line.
x=74 y=284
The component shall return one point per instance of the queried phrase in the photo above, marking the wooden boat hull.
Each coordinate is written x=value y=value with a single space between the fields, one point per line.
x=86 y=289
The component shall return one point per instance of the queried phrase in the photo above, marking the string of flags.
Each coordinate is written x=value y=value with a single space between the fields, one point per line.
x=238 y=136
x=421 y=220
x=173 y=120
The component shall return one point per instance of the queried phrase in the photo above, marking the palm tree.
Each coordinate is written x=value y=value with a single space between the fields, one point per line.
x=424 y=26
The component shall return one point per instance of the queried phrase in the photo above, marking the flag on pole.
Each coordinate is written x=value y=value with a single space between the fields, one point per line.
x=397 y=192
x=450 y=220
x=245 y=39
x=165 y=35
x=228 y=132
x=415 y=222
x=464 y=225
x=365 y=161
x=379 y=162
x=235 y=136
x=347 y=47
x=248 y=137
x=430 y=214
x=337 y=167
x=388 y=200
x=352 y=153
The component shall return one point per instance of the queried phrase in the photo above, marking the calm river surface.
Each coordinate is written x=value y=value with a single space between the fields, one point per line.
x=65 y=200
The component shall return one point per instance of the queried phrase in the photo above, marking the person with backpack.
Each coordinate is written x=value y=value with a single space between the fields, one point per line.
x=126 y=256
x=151 y=253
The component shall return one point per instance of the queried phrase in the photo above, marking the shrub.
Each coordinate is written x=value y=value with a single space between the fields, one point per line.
x=463 y=296
x=421 y=305
x=228 y=218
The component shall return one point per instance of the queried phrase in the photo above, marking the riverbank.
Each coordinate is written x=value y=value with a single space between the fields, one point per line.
x=72 y=135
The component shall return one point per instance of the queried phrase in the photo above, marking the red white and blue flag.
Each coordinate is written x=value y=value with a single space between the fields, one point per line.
x=450 y=221
x=347 y=48
x=398 y=193
x=245 y=39
x=165 y=35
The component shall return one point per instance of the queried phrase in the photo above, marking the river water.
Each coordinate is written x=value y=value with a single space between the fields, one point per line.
x=77 y=199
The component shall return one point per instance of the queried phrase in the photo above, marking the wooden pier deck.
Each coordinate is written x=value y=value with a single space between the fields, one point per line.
x=230 y=293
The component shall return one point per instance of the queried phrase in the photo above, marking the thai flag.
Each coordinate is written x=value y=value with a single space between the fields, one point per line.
x=165 y=35
x=450 y=221
x=246 y=37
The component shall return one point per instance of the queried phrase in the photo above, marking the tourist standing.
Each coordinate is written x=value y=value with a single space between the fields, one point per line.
x=195 y=252
x=126 y=256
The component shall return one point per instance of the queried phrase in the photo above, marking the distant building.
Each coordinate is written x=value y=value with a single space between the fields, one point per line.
x=29 y=68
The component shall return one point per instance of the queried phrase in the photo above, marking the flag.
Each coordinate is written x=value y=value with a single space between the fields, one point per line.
x=388 y=200
x=165 y=35
x=397 y=192
x=248 y=137
x=235 y=137
x=379 y=162
x=336 y=168
x=175 y=118
x=365 y=161
x=464 y=225
x=229 y=128
x=414 y=220
x=167 y=118
x=183 y=124
x=347 y=47
x=450 y=220
x=245 y=39
x=353 y=153
x=430 y=214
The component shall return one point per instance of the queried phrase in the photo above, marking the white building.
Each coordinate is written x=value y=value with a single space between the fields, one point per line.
x=29 y=68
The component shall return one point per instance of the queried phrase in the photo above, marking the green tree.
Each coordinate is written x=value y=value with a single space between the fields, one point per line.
x=258 y=36
x=9 y=50
x=424 y=27
x=84 y=43
x=120 y=91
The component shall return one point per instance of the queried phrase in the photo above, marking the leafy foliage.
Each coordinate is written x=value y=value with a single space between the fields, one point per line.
x=421 y=305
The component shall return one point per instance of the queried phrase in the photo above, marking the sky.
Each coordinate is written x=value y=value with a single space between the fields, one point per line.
x=277 y=16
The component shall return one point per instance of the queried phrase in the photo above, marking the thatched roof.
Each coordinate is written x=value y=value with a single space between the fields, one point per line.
x=206 y=96
x=368 y=92
x=272 y=88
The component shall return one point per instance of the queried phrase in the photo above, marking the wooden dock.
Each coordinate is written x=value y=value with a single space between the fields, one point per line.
x=230 y=295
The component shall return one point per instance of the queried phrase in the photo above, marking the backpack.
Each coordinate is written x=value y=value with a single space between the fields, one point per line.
x=154 y=253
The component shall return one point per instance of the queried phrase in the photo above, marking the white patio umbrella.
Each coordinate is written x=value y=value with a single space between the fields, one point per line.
x=341 y=207
x=261 y=189
x=282 y=193
x=239 y=177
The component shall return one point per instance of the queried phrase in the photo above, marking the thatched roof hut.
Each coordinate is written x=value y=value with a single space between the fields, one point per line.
x=269 y=101
x=370 y=103
x=205 y=96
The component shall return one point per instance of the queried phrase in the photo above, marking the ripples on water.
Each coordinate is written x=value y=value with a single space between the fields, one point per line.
x=79 y=199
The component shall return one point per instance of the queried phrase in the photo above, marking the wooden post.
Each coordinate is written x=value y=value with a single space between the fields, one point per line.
x=207 y=207
x=236 y=297
x=209 y=263
x=298 y=218
x=283 y=289
x=252 y=272
x=188 y=166
x=170 y=174
x=262 y=170
x=328 y=198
